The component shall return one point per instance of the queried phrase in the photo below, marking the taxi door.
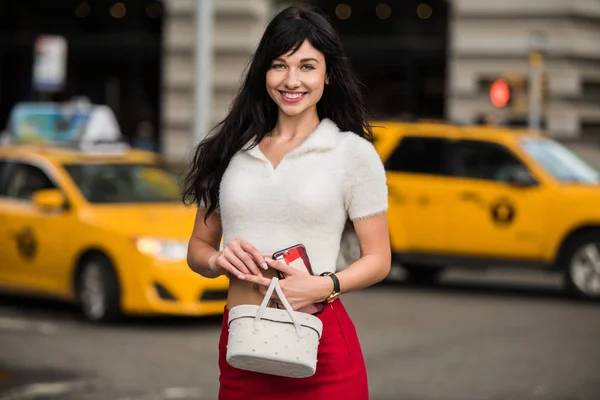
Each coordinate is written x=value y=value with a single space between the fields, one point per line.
x=35 y=237
x=417 y=179
x=489 y=215
x=8 y=251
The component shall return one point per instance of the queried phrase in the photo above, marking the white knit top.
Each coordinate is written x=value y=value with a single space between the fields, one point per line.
x=307 y=198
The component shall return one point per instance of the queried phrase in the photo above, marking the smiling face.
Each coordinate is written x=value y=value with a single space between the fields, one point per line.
x=296 y=81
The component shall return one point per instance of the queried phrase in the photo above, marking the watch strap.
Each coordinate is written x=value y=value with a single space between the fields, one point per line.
x=336 y=282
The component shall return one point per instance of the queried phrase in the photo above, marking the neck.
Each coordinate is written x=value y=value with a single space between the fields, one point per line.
x=297 y=126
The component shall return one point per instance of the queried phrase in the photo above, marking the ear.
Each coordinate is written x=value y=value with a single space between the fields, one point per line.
x=327 y=79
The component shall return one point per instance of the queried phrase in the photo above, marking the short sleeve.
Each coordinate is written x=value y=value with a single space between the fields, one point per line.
x=365 y=188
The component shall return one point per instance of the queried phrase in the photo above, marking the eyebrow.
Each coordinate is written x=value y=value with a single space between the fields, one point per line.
x=301 y=61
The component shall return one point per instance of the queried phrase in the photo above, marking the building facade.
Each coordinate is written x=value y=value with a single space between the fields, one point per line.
x=492 y=39
x=238 y=26
x=487 y=40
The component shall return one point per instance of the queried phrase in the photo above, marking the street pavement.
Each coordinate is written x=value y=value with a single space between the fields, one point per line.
x=477 y=336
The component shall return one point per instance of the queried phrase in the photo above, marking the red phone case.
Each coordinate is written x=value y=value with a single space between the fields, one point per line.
x=297 y=257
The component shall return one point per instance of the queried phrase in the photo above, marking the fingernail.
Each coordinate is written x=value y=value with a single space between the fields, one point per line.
x=268 y=260
x=265 y=266
x=242 y=277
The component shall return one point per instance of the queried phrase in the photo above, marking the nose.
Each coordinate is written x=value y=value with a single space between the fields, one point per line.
x=292 y=80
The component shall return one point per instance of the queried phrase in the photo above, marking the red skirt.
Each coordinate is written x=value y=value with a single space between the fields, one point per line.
x=341 y=372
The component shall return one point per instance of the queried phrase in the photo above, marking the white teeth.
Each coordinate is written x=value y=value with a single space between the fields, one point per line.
x=292 y=95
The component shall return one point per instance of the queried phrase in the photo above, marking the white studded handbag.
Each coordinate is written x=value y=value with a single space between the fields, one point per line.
x=273 y=341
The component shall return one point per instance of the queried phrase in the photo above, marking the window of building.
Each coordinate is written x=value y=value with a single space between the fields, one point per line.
x=589 y=129
x=590 y=89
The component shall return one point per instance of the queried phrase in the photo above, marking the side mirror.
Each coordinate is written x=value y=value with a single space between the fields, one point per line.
x=520 y=176
x=49 y=199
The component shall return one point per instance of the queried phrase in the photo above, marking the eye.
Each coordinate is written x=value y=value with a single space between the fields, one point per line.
x=308 y=67
x=277 y=66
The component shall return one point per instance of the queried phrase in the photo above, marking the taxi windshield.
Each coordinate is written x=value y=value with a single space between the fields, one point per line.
x=560 y=162
x=125 y=183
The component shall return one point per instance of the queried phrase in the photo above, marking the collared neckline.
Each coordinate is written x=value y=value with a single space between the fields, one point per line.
x=323 y=138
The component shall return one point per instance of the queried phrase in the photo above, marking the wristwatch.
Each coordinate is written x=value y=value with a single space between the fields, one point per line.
x=336 y=287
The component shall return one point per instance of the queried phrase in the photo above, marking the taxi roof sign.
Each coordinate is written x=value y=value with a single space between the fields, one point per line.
x=68 y=124
x=104 y=148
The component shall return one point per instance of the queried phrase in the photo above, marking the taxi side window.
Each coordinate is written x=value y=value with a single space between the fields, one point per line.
x=24 y=180
x=3 y=171
x=419 y=155
x=483 y=160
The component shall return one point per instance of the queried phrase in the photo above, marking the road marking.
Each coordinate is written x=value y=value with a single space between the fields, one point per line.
x=19 y=324
x=43 y=390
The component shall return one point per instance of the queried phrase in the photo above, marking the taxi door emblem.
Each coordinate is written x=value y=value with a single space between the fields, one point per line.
x=26 y=243
x=503 y=212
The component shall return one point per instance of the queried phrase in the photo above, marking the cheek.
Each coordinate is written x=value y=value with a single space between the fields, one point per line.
x=316 y=85
x=272 y=81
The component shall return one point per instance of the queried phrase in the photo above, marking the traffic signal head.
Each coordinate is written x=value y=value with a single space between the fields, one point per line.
x=500 y=93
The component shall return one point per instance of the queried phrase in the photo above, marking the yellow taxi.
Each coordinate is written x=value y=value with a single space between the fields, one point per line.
x=479 y=196
x=103 y=227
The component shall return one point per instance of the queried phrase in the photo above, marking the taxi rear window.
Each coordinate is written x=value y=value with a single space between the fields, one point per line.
x=419 y=155
x=125 y=183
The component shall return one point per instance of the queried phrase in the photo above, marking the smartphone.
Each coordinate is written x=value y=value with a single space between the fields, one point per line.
x=294 y=256
x=297 y=257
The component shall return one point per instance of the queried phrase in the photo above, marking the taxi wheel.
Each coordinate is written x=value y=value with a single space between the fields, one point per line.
x=422 y=274
x=581 y=265
x=98 y=290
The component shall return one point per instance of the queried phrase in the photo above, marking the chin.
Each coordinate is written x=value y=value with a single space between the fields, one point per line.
x=292 y=111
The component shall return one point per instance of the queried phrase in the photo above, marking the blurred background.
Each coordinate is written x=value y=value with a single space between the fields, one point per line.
x=434 y=59
x=88 y=234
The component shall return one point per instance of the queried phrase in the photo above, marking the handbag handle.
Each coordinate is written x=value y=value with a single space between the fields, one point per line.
x=263 y=306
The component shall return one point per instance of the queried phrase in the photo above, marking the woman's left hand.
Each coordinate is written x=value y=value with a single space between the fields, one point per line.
x=300 y=289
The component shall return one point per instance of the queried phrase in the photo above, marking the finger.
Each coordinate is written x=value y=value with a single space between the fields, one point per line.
x=255 y=254
x=247 y=260
x=227 y=266
x=282 y=267
x=259 y=280
x=236 y=248
x=237 y=263
x=232 y=258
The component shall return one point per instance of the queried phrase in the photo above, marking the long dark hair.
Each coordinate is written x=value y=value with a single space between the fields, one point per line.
x=253 y=113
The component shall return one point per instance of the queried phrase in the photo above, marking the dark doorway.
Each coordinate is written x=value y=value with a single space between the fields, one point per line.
x=114 y=54
x=399 y=49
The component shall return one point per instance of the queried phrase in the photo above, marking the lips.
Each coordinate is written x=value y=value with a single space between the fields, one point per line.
x=292 y=97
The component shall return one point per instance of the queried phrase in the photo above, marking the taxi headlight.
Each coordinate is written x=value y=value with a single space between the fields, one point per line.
x=162 y=249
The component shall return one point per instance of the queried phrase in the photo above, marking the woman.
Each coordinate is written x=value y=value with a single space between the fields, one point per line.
x=290 y=164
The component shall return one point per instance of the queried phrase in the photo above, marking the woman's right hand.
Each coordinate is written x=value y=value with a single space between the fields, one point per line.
x=238 y=258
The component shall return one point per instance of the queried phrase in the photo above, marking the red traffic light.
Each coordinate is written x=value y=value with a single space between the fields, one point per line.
x=499 y=93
